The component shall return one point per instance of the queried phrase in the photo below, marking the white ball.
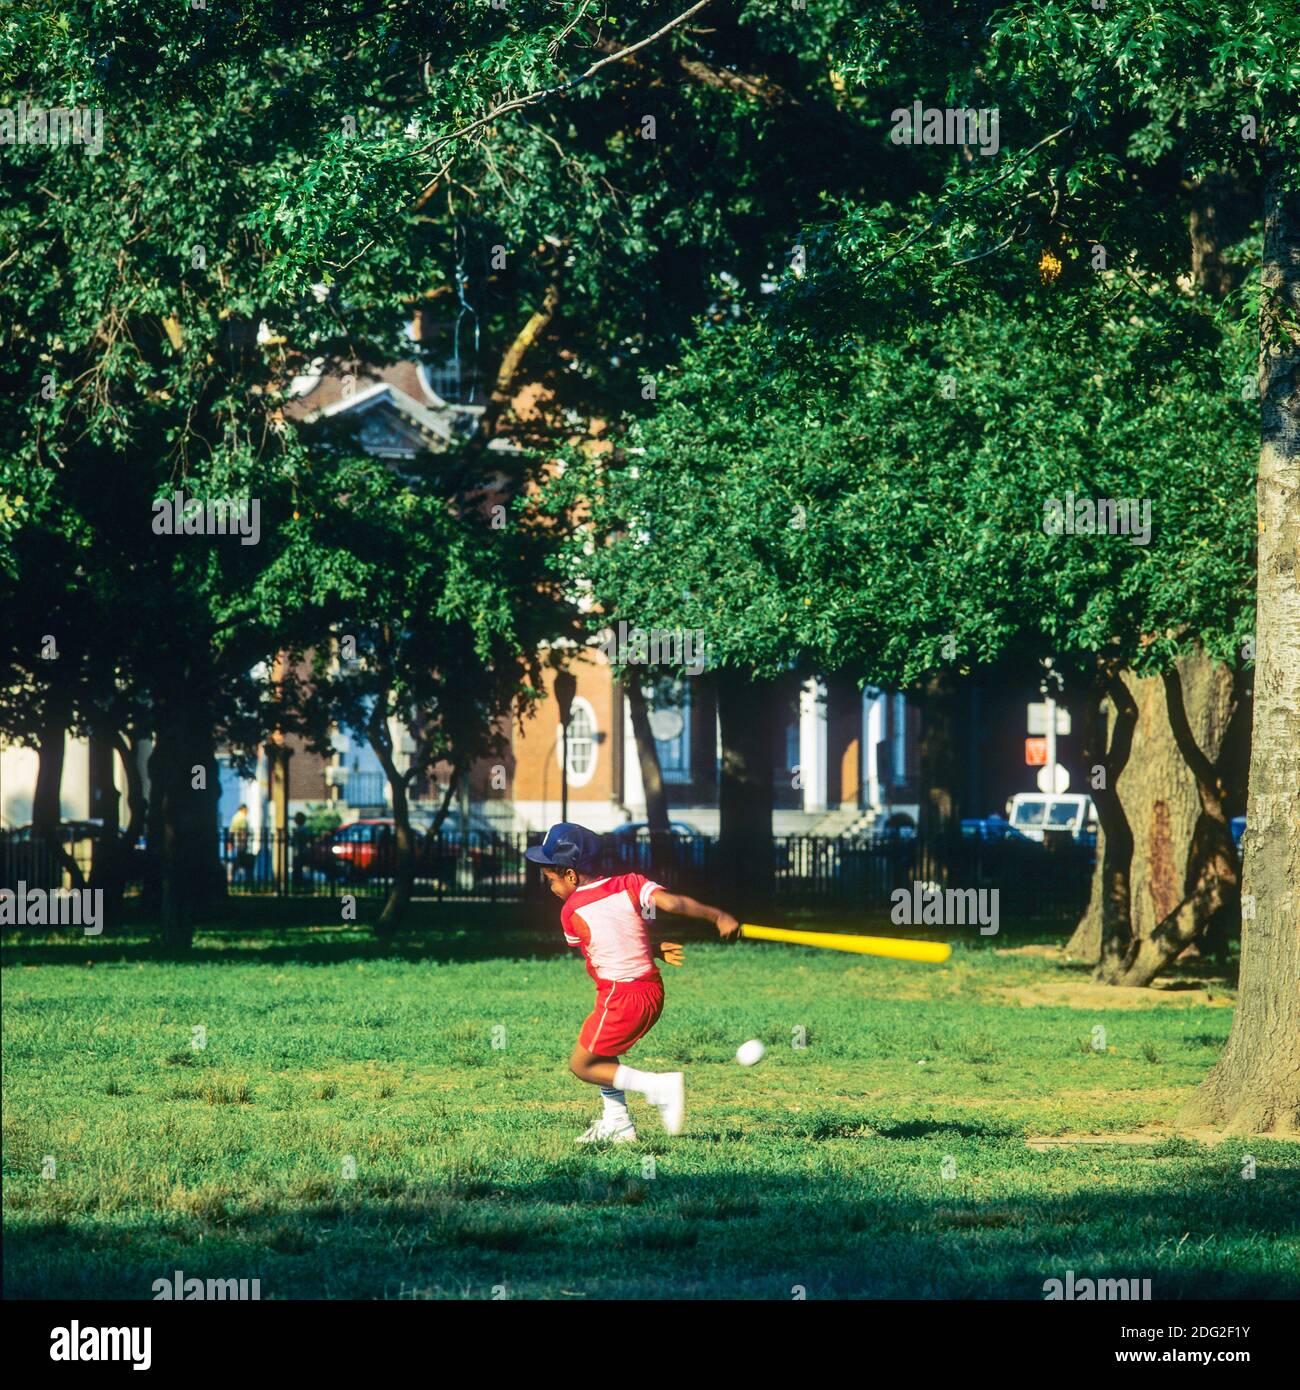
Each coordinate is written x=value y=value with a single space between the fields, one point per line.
x=749 y=1053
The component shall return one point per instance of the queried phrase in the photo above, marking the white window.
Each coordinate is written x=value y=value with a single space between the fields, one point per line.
x=582 y=743
x=670 y=723
x=900 y=738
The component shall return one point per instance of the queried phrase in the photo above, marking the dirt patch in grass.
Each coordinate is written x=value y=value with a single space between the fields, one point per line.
x=1091 y=1096
x=1086 y=994
x=1142 y=1138
x=1039 y=952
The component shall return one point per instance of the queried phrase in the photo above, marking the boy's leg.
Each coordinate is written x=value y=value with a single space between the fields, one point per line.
x=615 y=1106
x=666 y=1090
x=596 y=1067
x=620 y=1028
x=615 y=1123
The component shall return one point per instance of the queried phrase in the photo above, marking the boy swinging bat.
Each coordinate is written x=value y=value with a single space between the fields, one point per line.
x=608 y=919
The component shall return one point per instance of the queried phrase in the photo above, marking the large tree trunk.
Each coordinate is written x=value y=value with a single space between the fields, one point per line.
x=109 y=861
x=1254 y=1088
x=652 y=778
x=137 y=807
x=151 y=888
x=1159 y=799
x=46 y=805
x=399 y=896
x=185 y=782
x=745 y=707
x=1161 y=802
x=940 y=755
x=47 y=798
x=1085 y=944
x=1210 y=890
x=1117 y=858
x=277 y=766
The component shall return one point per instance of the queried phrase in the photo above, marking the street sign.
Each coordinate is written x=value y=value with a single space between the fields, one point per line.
x=1036 y=752
x=1045 y=784
x=666 y=724
x=1038 y=718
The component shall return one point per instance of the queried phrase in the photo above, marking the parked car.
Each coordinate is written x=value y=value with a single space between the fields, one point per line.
x=631 y=844
x=1037 y=815
x=635 y=830
x=466 y=850
x=1238 y=827
x=898 y=829
x=360 y=849
x=69 y=832
x=27 y=858
x=992 y=828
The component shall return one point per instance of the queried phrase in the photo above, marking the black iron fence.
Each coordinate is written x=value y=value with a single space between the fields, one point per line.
x=362 y=859
x=1030 y=879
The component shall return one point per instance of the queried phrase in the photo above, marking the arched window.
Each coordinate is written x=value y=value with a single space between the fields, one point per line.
x=582 y=743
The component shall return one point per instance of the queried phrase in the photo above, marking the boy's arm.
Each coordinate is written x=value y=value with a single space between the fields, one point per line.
x=681 y=906
x=577 y=933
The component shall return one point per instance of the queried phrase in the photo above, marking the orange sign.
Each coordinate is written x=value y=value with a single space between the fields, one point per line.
x=1036 y=752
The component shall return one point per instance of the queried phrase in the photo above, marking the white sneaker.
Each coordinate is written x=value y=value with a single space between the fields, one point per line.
x=670 y=1100
x=608 y=1132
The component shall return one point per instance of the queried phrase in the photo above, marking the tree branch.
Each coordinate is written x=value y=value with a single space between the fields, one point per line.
x=754 y=85
x=946 y=204
x=1209 y=784
x=513 y=359
x=515 y=103
x=440 y=815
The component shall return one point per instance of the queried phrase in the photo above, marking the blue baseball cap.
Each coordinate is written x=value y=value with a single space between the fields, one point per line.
x=567 y=846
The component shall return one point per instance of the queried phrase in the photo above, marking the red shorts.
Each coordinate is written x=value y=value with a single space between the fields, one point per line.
x=626 y=1010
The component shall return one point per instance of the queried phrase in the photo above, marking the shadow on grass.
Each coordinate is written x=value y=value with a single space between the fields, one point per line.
x=272 y=932
x=597 y=1227
x=298 y=946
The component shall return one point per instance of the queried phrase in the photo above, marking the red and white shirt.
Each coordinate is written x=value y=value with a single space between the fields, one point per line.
x=609 y=919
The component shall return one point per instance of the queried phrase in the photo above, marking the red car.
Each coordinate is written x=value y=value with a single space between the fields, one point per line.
x=360 y=849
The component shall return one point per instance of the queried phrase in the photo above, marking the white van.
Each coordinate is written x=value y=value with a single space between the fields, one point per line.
x=1033 y=814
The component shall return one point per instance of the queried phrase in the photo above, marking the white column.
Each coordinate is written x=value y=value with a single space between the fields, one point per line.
x=18 y=769
x=873 y=733
x=255 y=793
x=74 y=791
x=812 y=744
x=633 y=787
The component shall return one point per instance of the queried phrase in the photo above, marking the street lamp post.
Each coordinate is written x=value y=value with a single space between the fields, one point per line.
x=566 y=686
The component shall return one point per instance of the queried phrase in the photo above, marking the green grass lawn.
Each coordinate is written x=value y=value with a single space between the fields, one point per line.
x=887 y=1158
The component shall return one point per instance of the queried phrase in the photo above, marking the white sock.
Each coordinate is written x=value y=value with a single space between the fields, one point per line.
x=615 y=1106
x=644 y=1083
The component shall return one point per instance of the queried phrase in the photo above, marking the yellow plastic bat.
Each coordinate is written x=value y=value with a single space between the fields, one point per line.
x=896 y=948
